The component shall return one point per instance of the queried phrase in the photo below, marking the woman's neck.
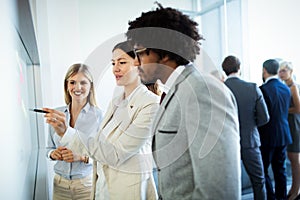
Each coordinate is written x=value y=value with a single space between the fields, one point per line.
x=77 y=106
x=289 y=81
x=75 y=109
x=128 y=89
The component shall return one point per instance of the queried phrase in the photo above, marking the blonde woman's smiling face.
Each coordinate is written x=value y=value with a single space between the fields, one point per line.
x=79 y=87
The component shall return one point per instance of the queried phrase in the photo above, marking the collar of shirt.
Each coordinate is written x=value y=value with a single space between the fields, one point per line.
x=271 y=77
x=172 y=78
x=233 y=76
x=86 y=108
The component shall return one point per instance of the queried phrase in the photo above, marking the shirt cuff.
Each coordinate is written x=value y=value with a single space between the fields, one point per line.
x=49 y=153
x=68 y=136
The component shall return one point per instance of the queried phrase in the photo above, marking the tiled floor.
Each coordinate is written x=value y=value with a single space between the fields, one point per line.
x=248 y=195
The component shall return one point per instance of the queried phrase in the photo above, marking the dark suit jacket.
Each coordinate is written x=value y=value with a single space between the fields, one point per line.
x=252 y=109
x=276 y=132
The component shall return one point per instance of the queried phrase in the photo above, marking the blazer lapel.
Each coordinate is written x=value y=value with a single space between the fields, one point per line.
x=108 y=115
x=188 y=70
x=124 y=118
x=132 y=102
x=107 y=118
x=132 y=106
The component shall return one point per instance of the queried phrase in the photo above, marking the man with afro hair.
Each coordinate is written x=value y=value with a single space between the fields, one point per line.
x=196 y=131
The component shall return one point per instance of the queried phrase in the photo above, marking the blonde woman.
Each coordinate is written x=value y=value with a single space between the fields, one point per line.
x=286 y=74
x=73 y=171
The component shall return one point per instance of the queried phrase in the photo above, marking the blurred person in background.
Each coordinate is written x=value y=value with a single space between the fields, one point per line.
x=253 y=112
x=293 y=150
x=275 y=135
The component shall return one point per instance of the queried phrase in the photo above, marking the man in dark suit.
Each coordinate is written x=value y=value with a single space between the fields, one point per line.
x=275 y=135
x=196 y=144
x=253 y=112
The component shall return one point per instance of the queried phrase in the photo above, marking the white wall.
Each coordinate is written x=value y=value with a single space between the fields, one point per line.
x=256 y=31
x=9 y=83
x=18 y=138
x=273 y=32
x=223 y=35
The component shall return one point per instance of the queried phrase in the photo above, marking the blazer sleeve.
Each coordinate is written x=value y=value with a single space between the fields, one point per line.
x=130 y=141
x=261 y=109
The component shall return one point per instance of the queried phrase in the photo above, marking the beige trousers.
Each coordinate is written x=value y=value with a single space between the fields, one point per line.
x=64 y=189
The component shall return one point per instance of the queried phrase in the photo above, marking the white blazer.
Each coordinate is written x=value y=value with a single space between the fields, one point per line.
x=124 y=154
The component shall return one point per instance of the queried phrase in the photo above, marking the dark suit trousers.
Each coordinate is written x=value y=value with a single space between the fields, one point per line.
x=253 y=164
x=275 y=156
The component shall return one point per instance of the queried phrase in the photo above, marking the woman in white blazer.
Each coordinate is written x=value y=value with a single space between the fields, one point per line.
x=122 y=148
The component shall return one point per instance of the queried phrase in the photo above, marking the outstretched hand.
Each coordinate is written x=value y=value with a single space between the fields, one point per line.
x=57 y=120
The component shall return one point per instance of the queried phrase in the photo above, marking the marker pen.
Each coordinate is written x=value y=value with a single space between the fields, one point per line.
x=38 y=110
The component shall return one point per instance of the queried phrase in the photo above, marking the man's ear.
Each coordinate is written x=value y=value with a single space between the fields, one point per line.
x=165 y=59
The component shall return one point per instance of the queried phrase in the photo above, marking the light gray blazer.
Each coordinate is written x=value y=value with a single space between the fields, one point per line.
x=196 y=145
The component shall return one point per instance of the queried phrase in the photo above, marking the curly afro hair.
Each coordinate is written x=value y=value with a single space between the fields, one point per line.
x=167 y=32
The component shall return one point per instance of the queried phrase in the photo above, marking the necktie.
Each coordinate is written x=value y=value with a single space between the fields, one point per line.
x=162 y=97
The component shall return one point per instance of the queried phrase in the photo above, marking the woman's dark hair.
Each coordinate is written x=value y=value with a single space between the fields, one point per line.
x=154 y=87
x=126 y=46
x=167 y=32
